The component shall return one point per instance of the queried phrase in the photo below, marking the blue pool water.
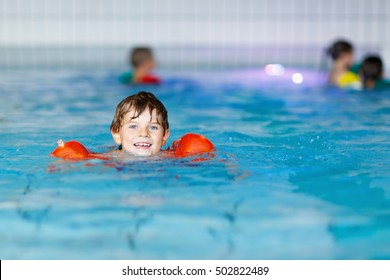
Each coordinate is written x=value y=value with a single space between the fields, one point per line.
x=300 y=172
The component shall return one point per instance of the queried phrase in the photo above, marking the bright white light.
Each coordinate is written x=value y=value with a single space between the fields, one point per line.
x=297 y=78
x=274 y=69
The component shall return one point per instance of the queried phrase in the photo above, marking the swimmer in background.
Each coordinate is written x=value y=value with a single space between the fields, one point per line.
x=371 y=73
x=342 y=56
x=143 y=63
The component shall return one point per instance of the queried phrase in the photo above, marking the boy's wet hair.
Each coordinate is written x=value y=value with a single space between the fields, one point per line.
x=338 y=48
x=139 y=55
x=139 y=103
x=371 y=69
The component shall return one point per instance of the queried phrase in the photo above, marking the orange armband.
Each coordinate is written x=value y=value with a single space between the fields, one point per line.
x=192 y=144
x=73 y=150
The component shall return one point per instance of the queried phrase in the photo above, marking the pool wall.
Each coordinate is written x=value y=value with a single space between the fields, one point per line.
x=199 y=33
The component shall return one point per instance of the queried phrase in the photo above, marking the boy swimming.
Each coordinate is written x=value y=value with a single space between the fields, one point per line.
x=143 y=63
x=140 y=127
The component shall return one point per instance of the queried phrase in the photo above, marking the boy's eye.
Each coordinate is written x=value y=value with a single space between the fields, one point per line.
x=133 y=126
x=153 y=127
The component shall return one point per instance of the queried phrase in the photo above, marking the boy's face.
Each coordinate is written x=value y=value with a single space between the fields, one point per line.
x=142 y=136
x=149 y=64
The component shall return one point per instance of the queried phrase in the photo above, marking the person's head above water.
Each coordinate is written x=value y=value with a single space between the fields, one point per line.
x=371 y=71
x=341 y=51
x=140 y=125
x=142 y=57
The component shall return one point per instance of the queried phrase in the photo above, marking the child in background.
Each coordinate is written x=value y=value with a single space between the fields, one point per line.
x=143 y=63
x=371 y=73
x=341 y=53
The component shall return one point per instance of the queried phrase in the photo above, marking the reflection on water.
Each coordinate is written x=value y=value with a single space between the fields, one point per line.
x=301 y=172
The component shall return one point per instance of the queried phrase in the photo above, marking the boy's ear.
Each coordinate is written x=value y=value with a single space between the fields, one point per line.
x=117 y=137
x=165 y=137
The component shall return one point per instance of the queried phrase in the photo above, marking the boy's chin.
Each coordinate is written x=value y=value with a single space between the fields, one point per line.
x=142 y=153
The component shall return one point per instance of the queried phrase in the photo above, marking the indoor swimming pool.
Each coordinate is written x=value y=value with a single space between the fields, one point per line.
x=301 y=170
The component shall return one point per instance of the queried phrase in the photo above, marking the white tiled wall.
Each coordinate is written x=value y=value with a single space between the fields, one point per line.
x=241 y=32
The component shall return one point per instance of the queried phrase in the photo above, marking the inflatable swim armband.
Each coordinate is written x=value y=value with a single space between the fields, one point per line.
x=150 y=79
x=191 y=144
x=74 y=150
x=126 y=78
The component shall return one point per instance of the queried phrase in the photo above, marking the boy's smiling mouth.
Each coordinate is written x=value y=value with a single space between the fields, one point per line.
x=143 y=145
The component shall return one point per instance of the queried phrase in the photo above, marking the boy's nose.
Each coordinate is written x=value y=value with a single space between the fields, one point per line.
x=143 y=132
